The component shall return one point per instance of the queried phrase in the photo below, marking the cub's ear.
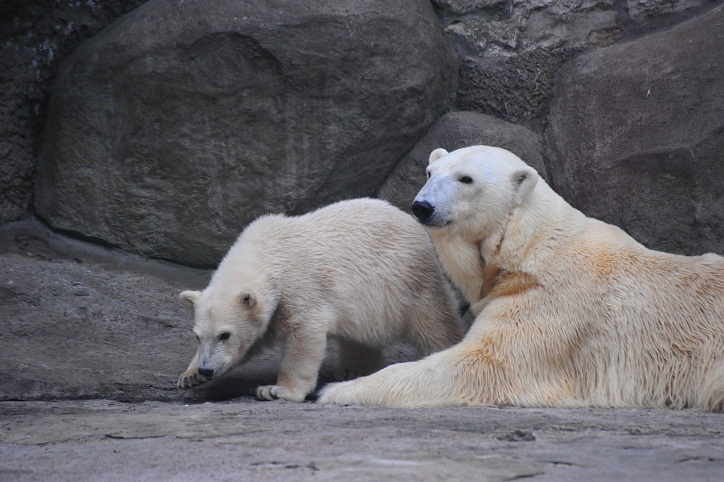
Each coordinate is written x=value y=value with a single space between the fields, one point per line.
x=189 y=298
x=437 y=154
x=523 y=180
x=248 y=299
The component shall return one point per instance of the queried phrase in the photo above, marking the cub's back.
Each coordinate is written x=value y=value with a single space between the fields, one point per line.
x=363 y=227
x=359 y=235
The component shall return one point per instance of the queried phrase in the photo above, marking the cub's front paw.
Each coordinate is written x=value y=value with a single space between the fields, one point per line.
x=190 y=378
x=272 y=392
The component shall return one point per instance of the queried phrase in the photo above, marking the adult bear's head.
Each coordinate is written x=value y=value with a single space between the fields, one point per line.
x=472 y=191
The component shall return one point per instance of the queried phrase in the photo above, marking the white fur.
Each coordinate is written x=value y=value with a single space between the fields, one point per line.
x=360 y=270
x=572 y=311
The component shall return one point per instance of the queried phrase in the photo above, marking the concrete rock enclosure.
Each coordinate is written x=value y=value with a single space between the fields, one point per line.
x=172 y=124
x=178 y=124
x=184 y=121
x=181 y=122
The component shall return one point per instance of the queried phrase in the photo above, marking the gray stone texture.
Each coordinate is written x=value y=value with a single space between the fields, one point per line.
x=35 y=36
x=466 y=6
x=510 y=51
x=453 y=131
x=166 y=136
x=80 y=322
x=272 y=441
x=636 y=136
x=643 y=11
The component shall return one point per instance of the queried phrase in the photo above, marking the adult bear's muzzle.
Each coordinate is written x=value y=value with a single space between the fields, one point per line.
x=422 y=210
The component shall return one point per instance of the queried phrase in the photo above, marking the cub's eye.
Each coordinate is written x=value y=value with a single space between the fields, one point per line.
x=224 y=336
x=466 y=179
x=427 y=174
x=197 y=337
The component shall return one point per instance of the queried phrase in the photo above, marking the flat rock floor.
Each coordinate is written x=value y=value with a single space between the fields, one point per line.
x=93 y=341
x=245 y=439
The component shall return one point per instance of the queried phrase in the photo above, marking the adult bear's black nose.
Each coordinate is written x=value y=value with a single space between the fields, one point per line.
x=207 y=372
x=422 y=210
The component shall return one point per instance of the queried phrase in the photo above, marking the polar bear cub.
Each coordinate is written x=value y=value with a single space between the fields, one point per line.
x=359 y=270
x=570 y=311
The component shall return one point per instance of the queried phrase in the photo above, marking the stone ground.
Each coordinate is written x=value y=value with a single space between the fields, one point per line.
x=92 y=344
x=245 y=439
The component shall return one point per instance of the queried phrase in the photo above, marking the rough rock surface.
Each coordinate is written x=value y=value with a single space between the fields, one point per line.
x=250 y=440
x=510 y=51
x=167 y=137
x=512 y=87
x=453 y=131
x=644 y=11
x=77 y=325
x=35 y=36
x=636 y=136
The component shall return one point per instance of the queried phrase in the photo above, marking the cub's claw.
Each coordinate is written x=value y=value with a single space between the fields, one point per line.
x=190 y=379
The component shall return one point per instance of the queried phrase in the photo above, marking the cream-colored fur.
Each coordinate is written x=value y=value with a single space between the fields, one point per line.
x=360 y=270
x=571 y=311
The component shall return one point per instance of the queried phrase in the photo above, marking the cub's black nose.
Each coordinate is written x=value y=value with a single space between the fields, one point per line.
x=207 y=372
x=422 y=210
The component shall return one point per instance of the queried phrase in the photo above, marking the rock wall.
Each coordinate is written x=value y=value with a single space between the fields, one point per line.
x=35 y=37
x=636 y=135
x=174 y=127
x=166 y=136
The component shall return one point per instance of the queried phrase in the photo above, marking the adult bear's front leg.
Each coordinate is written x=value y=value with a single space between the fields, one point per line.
x=438 y=380
x=491 y=366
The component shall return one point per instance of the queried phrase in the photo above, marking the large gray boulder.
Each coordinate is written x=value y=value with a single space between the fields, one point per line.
x=636 y=136
x=453 y=131
x=182 y=122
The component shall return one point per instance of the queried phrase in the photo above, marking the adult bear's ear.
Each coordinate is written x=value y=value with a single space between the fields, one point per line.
x=523 y=180
x=248 y=299
x=189 y=298
x=437 y=154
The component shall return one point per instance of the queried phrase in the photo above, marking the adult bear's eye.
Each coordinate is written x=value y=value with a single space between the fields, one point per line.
x=224 y=336
x=466 y=179
x=427 y=174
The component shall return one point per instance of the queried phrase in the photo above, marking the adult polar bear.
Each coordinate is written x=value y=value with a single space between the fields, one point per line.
x=571 y=311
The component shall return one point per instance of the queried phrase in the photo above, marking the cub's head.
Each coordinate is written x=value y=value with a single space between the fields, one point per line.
x=226 y=325
x=472 y=190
